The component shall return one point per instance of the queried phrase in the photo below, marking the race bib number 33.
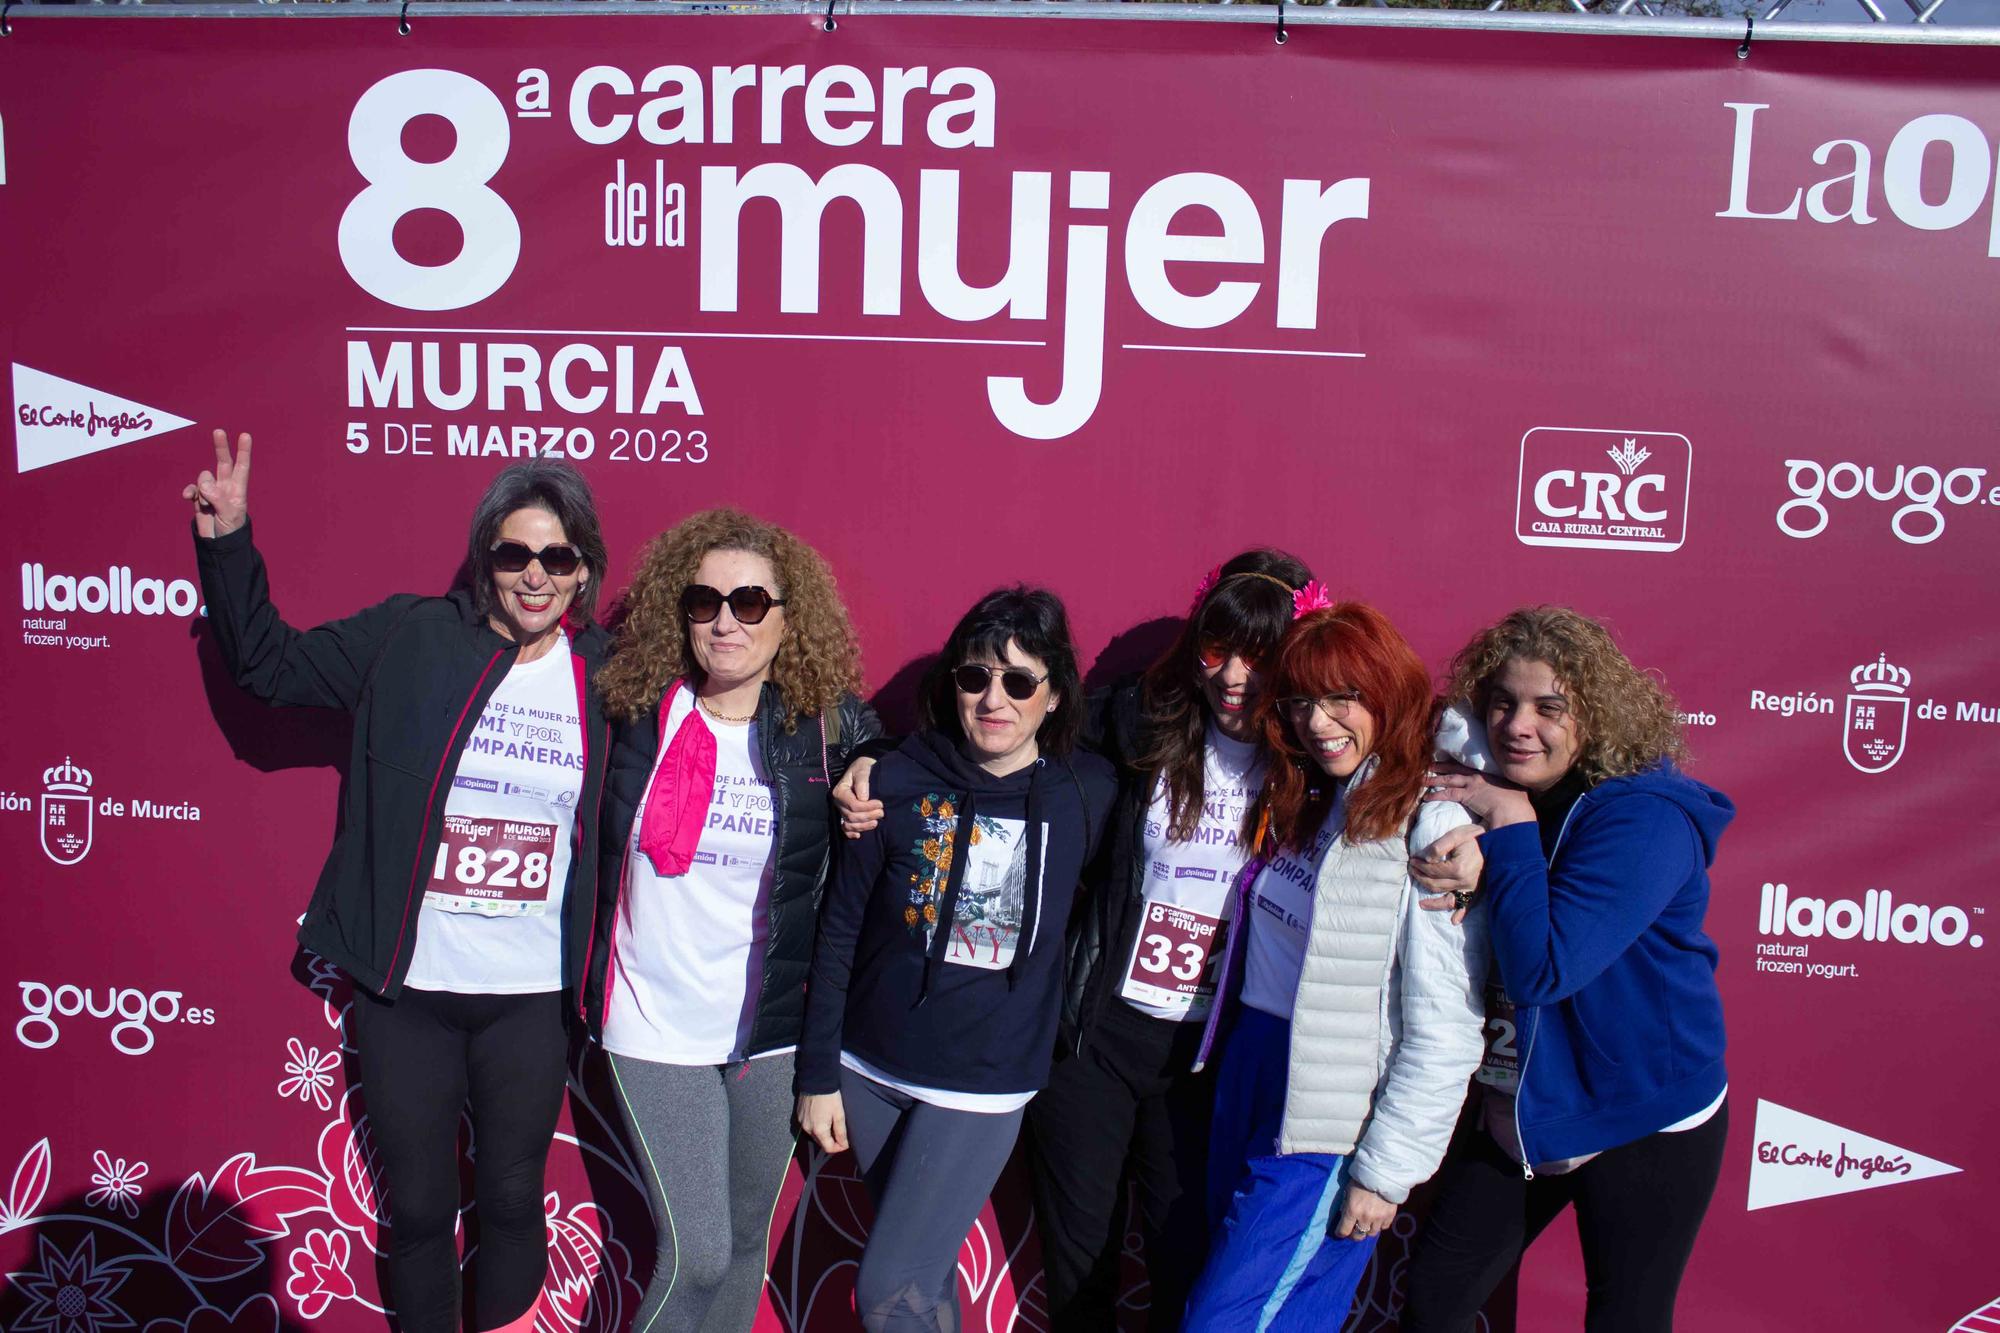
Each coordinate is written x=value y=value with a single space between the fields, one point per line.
x=1170 y=965
x=499 y=867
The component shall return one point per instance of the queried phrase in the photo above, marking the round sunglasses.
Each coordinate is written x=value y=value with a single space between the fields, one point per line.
x=1213 y=653
x=557 y=559
x=1019 y=682
x=749 y=604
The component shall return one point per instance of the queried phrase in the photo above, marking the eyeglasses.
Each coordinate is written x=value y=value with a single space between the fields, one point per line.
x=558 y=559
x=1019 y=682
x=749 y=604
x=1336 y=706
x=1214 y=653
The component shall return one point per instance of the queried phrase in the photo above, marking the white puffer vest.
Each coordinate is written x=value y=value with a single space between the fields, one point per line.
x=1386 y=1027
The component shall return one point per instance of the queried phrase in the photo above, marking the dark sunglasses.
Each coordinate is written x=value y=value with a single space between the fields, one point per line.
x=749 y=604
x=1019 y=682
x=558 y=559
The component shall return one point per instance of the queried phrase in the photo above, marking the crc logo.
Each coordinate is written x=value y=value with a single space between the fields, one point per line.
x=66 y=813
x=135 y=1010
x=1625 y=490
x=1878 y=715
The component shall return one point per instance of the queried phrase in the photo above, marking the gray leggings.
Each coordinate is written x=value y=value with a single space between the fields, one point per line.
x=714 y=1142
x=928 y=1170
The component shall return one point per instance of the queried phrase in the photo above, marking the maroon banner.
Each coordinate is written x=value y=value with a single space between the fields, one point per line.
x=1466 y=318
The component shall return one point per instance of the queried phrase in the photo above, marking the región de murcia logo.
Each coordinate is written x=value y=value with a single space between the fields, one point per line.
x=66 y=813
x=1875 y=724
x=1878 y=715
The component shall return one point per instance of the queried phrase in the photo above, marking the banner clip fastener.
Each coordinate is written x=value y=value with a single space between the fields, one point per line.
x=1282 y=37
x=1750 y=31
x=6 y=28
x=403 y=19
x=828 y=25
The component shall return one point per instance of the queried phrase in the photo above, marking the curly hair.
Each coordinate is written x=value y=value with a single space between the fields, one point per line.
x=818 y=657
x=1626 y=720
x=1349 y=646
x=1243 y=614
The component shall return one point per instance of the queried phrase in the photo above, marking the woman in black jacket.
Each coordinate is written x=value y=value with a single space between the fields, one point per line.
x=936 y=980
x=460 y=889
x=733 y=684
x=1123 y=1102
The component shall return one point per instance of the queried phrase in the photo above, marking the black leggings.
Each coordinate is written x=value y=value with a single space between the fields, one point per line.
x=423 y=1059
x=1638 y=1208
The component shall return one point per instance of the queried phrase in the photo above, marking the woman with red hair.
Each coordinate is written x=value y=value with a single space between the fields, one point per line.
x=1357 y=1021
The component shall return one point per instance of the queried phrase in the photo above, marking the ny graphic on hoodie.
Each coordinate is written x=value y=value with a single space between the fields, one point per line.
x=939 y=958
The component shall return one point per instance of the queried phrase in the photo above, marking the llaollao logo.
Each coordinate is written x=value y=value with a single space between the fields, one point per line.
x=1623 y=490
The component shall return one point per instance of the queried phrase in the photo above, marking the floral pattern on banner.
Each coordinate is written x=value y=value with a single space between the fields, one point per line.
x=319 y=1273
x=308 y=1074
x=256 y=1245
x=115 y=1185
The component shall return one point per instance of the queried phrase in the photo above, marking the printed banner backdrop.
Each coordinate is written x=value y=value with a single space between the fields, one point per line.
x=1698 y=344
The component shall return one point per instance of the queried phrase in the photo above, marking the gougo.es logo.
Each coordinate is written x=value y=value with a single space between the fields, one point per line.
x=1918 y=520
x=136 y=1012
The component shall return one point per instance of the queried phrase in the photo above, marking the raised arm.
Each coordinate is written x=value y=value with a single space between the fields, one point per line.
x=323 y=667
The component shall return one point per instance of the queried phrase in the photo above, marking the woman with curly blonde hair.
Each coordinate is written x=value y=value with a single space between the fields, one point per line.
x=732 y=688
x=1603 y=1084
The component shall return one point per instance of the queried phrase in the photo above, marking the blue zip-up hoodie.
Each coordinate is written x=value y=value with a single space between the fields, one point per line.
x=1601 y=948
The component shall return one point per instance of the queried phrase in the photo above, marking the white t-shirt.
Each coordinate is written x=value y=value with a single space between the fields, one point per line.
x=1281 y=919
x=689 y=955
x=491 y=921
x=986 y=1103
x=1170 y=973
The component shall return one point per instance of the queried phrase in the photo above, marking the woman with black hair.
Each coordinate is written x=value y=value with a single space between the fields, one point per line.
x=1124 y=1101
x=460 y=893
x=931 y=1012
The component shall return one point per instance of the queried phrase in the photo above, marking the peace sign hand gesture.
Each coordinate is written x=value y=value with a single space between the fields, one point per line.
x=221 y=498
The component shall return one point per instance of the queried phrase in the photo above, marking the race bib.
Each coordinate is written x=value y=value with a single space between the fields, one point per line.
x=1501 y=1067
x=496 y=867
x=1169 y=966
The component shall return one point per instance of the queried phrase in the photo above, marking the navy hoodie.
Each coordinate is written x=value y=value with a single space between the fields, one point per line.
x=970 y=1007
x=1601 y=948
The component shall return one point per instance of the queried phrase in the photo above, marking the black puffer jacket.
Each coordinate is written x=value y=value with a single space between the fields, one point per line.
x=802 y=765
x=416 y=673
x=1108 y=914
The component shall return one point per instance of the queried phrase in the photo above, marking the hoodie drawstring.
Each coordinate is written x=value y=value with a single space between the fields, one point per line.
x=1031 y=891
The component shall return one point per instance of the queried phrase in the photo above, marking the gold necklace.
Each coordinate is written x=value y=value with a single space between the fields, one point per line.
x=750 y=716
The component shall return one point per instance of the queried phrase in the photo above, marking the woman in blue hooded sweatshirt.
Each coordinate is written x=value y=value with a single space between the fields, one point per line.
x=1603 y=1084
